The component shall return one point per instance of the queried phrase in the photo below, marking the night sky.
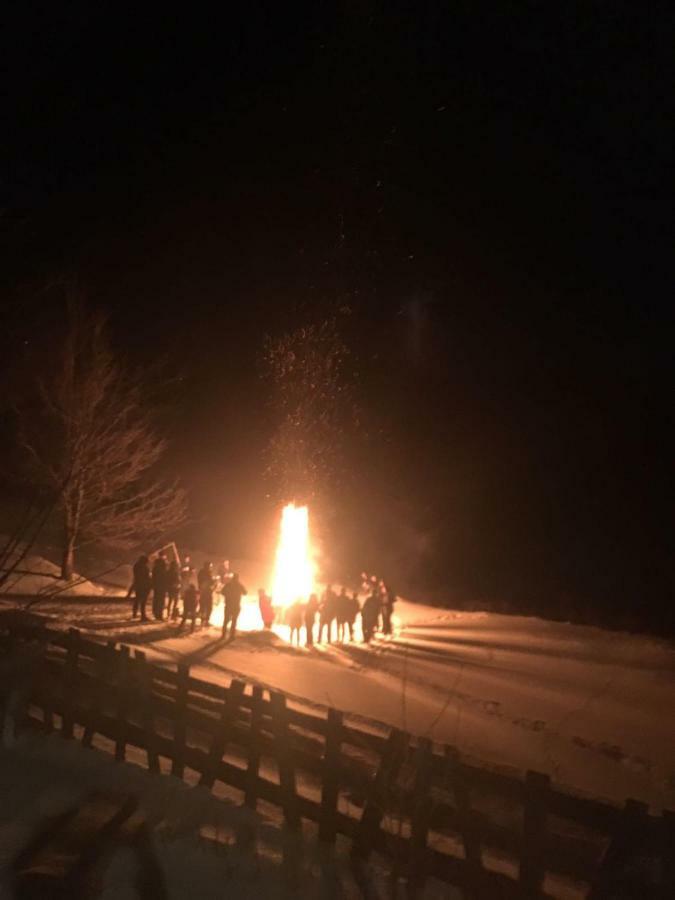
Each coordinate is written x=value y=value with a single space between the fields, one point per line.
x=486 y=187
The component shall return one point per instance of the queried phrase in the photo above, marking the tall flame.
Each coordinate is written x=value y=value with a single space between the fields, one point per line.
x=293 y=568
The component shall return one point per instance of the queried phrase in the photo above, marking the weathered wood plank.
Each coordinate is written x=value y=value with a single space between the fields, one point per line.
x=535 y=813
x=375 y=807
x=147 y=717
x=178 y=765
x=122 y=704
x=421 y=816
x=285 y=761
x=330 y=780
x=608 y=881
x=220 y=738
x=254 y=749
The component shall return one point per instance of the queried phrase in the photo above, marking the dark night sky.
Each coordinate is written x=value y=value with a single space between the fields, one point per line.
x=487 y=187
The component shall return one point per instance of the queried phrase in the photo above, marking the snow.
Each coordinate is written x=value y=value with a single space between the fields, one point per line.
x=590 y=707
x=206 y=846
x=37 y=575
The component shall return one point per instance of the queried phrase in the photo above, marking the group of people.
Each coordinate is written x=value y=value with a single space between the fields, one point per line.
x=172 y=585
x=337 y=613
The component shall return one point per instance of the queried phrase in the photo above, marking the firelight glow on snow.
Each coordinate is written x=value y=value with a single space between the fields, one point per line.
x=293 y=568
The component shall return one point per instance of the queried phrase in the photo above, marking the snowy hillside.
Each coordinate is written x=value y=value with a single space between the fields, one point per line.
x=588 y=706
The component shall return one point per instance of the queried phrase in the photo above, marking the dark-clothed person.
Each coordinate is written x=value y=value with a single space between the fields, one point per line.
x=189 y=606
x=388 y=601
x=311 y=610
x=187 y=574
x=370 y=613
x=173 y=587
x=141 y=587
x=159 y=586
x=328 y=612
x=206 y=585
x=341 y=612
x=351 y=611
x=233 y=591
x=295 y=621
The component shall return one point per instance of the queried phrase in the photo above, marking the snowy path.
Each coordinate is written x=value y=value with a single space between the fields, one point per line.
x=592 y=708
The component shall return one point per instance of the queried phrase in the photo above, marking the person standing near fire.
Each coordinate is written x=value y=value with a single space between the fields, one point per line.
x=388 y=601
x=311 y=610
x=189 y=606
x=233 y=591
x=295 y=616
x=370 y=613
x=224 y=574
x=266 y=610
x=159 y=586
x=327 y=612
x=141 y=587
x=352 y=610
x=173 y=588
x=205 y=582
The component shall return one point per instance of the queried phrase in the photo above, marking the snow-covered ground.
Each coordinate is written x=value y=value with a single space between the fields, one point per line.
x=593 y=708
x=206 y=846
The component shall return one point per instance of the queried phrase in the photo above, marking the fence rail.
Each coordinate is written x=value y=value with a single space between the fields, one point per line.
x=420 y=805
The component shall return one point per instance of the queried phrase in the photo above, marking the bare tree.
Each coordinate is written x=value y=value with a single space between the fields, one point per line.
x=87 y=438
x=312 y=402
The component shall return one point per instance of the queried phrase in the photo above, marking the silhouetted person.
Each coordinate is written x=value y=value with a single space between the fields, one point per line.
x=369 y=615
x=159 y=586
x=327 y=612
x=224 y=573
x=187 y=574
x=233 y=591
x=352 y=609
x=341 y=608
x=388 y=601
x=205 y=583
x=173 y=587
x=266 y=611
x=311 y=610
x=295 y=621
x=189 y=606
x=141 y=587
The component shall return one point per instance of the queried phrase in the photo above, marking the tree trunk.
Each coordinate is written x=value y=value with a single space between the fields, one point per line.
x=67 y=561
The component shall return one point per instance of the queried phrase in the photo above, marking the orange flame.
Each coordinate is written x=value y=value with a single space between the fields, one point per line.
x=294 y=569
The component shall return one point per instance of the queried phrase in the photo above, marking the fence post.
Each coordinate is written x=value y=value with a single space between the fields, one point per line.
x=46 y=680
x=70 y=682
x=251 y=796
x=229 y=709
x=375 y=805
x=668 y=852
x=419 y=826
x=122 y=702
x=147 y=717
x=98 y=692
x=284 y=760
x=629 y=826
x=472 y=846
x=330 y=777
x=180 y=713
x=532 y=852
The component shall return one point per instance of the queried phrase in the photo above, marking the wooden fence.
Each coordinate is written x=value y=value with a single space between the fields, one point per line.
x=423 y=808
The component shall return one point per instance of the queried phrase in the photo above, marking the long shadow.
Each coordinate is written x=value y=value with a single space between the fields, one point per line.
x=203 y=652
x=150 y=634
x=366 y=656
x=592 y=654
